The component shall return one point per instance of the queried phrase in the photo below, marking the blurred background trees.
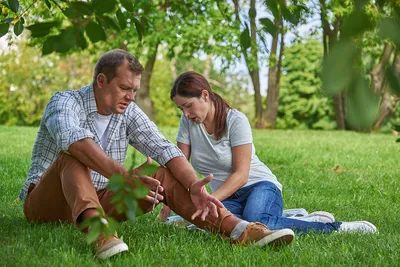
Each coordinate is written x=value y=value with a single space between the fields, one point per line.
x=328 y=64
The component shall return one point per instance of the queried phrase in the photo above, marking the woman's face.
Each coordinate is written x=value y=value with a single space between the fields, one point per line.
x=193 y=108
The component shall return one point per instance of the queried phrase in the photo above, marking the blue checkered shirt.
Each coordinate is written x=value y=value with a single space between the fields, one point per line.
x=69 y=117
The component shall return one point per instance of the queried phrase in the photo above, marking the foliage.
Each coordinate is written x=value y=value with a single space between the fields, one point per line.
x=27 y=81
x=302 y=102
x=125 y=200
x=344 y=59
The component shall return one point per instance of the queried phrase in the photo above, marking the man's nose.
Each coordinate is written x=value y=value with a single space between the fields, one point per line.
x=130 y=96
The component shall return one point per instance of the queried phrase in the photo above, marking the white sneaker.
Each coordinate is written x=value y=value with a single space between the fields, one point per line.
x=317 y=216
x=358 y=226
x=298 y=212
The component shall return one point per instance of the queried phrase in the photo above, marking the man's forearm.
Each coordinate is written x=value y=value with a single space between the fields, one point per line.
x=182 y=171
x=93 y=157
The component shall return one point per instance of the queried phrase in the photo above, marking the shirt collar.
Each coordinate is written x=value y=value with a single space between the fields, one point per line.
x=89 y=101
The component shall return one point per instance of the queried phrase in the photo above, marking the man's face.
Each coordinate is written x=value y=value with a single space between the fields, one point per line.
x=114 y=96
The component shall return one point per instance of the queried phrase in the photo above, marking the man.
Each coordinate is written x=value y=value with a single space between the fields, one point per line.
x=82 y=141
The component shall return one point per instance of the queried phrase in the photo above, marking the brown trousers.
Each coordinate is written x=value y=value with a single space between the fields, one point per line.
x=65 y=190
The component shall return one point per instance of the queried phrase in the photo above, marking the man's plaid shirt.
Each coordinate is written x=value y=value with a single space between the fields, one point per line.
x=69 y=117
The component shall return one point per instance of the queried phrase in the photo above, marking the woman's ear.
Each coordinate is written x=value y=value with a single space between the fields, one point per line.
x=205 y=95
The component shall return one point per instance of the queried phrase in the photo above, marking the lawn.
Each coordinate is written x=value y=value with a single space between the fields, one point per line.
x=355 y=176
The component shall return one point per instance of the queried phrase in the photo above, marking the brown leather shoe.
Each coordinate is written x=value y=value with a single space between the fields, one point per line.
x=107 y=247
x=260 y=235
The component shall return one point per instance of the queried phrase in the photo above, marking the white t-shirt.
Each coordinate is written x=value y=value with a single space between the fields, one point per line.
x=102 y=122
x=209 y=155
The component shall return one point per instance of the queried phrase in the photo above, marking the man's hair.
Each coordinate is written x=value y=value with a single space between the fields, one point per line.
x=110 y=61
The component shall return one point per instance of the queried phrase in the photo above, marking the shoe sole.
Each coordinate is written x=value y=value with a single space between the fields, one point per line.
x=279 y=238
x=324 y=217
x=112 y=251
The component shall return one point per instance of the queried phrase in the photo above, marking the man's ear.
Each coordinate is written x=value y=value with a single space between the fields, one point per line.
x=101 y=80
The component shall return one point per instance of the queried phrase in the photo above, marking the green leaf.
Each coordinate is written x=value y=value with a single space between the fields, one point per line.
x=48 y=4
x=71 y=12
x=4 y=29
x=14 y=5
x=94 y=232
x=102 y=6
x=224 y=9
x=338 y=67
x=8 y=20
x=393 y=79
x=292 y=17
x=118 y=196
x=66 y=40
x=83 y=8
x=61 y=43
x=121 y=19
x=245 y=40
x=41 y=29
x=356 y=23
x=18 y=28
x=273 y=7
x=131 y=205
x=140 y=191
x=390 y=29
x=48 y=45
x=149 y=170
x=95 y=32
x=112 y=226
x=116 y=182
x=362 y=105
x=127 y=4
x=80 y=38
x=108 y=22
x=139 y=28
x=269 y=26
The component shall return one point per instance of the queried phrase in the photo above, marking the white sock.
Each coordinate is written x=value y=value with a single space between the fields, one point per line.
x=239 y=229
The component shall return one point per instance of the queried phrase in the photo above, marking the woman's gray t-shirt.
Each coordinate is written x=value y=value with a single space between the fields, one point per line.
x=209 y=155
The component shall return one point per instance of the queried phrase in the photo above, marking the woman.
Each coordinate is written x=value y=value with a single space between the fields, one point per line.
x=218 y=140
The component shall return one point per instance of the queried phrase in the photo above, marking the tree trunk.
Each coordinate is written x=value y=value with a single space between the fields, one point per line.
x=274 y=75
x=207 y=67
x=388 y=102
x=173 y=68
x=254 y=68
x=143 y=98
x=378 y=72
x=252 y=62
x=330 y=36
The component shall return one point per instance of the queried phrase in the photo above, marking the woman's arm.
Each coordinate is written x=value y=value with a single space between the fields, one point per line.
x=185 y=150
x=241 y=159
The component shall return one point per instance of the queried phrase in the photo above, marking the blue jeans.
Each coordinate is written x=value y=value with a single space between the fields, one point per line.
x=262 y=202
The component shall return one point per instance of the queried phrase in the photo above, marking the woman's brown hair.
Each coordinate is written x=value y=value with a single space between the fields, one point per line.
x=191 y=84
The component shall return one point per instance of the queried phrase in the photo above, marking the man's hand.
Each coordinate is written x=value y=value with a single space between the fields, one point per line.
x=202 y=200
x=149 y=182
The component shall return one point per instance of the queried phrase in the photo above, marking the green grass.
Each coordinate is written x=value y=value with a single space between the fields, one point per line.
x=304 y=162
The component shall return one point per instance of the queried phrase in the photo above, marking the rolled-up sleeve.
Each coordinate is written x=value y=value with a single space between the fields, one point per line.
x=63 y=124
